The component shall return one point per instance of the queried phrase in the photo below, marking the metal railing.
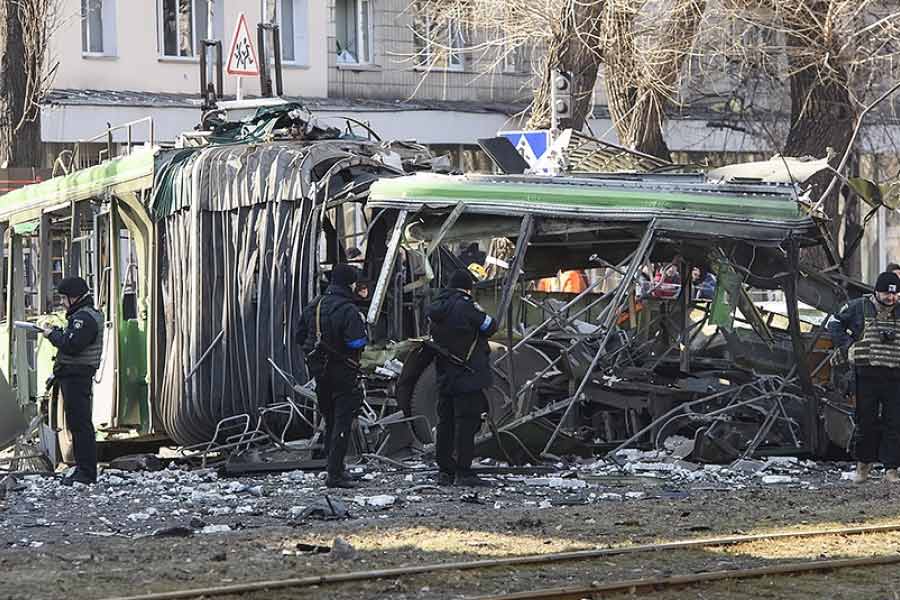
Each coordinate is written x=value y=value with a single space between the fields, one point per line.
x=77 y=159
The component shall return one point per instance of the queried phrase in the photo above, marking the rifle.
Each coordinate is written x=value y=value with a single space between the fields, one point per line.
x=332 y=353
x=446 y=355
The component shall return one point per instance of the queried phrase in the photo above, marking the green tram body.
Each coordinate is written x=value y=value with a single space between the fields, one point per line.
x=93 y=223
x=142 y=230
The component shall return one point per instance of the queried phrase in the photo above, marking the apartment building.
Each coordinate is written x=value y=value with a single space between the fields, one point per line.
x=124 y=60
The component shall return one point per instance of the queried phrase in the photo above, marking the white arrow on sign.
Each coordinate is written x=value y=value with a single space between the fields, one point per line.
x=242 y=56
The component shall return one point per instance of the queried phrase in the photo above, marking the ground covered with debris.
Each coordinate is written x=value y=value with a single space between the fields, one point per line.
x=137 y=532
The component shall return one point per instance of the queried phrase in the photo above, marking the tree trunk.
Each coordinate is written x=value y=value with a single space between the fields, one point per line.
x=572 y=53
x=639 y=88
x=20 y=138
x=822 y=114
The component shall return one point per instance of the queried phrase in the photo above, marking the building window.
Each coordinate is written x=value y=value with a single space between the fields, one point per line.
x=455 y=43
x=183 y=26
x=98 y=22
x=439 y=42
x=354 y=31
x=291 y=16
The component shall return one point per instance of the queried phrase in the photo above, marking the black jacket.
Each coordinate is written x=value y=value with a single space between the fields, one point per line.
x=80 y=344
x=460 y=326
x=343 y=328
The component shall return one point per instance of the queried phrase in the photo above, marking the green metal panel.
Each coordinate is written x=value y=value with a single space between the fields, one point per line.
x=133 y=397
x=120 y=175
x=586 y=197
x=27 y=227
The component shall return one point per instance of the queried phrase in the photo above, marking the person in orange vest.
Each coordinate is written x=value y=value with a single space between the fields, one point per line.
x=573 y=281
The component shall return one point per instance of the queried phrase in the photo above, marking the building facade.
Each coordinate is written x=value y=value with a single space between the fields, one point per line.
x=124 y=60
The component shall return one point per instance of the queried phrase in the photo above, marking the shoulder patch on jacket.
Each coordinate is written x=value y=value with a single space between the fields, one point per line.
x=77 y=323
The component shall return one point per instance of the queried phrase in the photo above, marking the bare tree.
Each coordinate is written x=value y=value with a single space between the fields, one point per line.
x=800 y=72
x=493 y=30
x=644 y=50
x=640 y=45
x=573 y=47
x=27 y=74
x=824 y=56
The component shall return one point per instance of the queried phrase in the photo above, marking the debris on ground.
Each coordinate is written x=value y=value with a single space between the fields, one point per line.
x=326 y=508
x=180 y=502
x=137 y=462
x=381 y=501
x=342 y=550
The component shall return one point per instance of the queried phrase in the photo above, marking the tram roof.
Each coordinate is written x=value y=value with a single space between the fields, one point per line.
x=135 y=170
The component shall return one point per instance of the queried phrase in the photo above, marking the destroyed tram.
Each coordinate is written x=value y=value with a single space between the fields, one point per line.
x=202 y=256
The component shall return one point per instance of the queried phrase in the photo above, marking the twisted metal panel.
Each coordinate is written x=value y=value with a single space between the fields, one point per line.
x=238 y=259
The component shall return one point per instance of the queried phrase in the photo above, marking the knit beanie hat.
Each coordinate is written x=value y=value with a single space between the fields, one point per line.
x=344 y=275
x=887 y=282
x=461 y=280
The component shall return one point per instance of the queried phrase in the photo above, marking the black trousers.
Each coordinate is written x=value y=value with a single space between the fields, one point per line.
x=77 y=397
x=340 y=397
x=877 y=437
x=458 y=420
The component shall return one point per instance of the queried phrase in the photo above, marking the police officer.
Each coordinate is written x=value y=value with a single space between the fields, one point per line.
x=461 y=329
x=80 y=346
x=333 y=335
x=866 y=333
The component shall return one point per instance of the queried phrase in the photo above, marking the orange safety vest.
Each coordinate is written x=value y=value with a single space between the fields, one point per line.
x=573 y=281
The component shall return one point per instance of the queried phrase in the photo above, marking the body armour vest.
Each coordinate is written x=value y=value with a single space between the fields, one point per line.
x=879 y=344
x=91 y=355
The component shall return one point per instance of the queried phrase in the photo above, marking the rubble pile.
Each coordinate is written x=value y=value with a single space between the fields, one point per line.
x=177 y=501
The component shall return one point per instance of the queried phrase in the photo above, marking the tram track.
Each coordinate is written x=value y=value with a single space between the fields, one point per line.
x=655 y=584
x=583 y=591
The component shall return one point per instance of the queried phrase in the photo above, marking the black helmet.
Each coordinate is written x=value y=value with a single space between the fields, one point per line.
x=73 y=287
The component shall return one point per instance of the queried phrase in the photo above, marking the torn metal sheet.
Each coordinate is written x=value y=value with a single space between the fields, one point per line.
x=778 y=169
x=239 y=230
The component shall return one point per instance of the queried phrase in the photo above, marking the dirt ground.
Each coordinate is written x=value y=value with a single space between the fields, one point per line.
x=99 y=542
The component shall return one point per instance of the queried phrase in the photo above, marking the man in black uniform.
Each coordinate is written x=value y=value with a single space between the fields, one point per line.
x=462 y=329
x=866 y=333
x=80 y=346
x=333 y=335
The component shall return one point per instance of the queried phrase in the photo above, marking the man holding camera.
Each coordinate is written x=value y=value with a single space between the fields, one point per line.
x=866 y=332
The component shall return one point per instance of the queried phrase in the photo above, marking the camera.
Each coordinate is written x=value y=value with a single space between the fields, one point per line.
x=888 y=336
